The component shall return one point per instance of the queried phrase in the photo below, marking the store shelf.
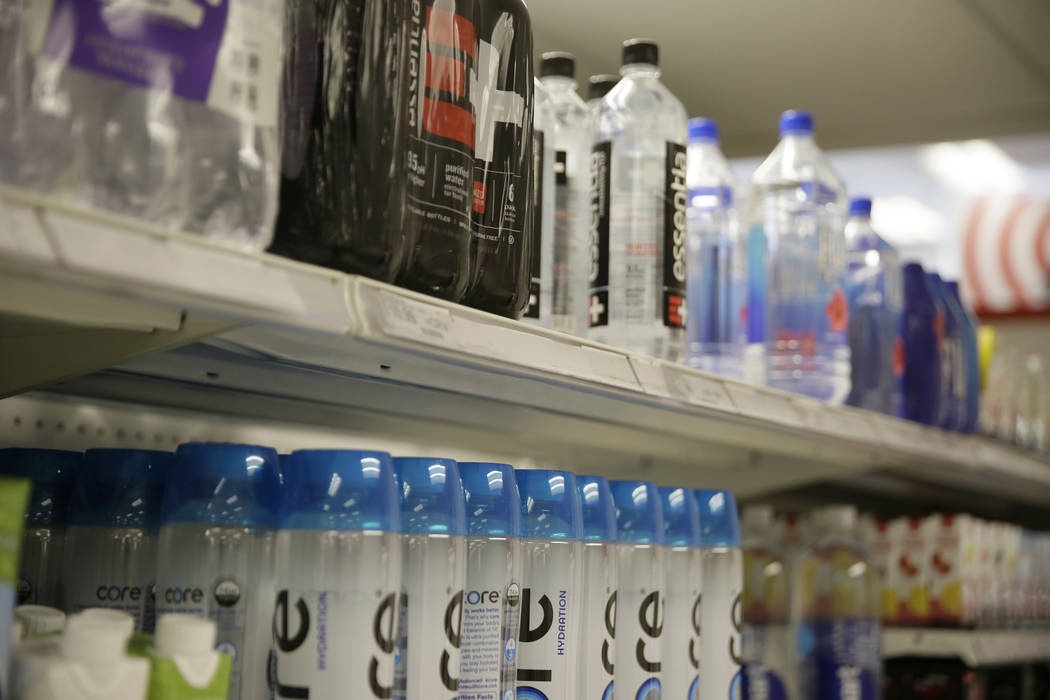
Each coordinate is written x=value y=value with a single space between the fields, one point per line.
x=160 y=319
x=975 y=648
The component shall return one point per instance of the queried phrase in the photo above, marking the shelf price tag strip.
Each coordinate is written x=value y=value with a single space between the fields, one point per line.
x=765 y=405
x=408 y=319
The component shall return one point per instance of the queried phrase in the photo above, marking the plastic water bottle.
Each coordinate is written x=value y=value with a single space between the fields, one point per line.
x=549 y=652
x=838 y=608
x=681 y=666
x=638 y=212
x=971 y=359
x=641 y=601
x=598 y=607
x=922 y=356
x=875 y=291
x=434 y=526
x=765 y=635
x=571 y=140
x=216 y=547
x=541 y=260
x=338 y=576
x=598 y=86
x=492 y=604
x=797 y=266
x=43 y=540
x=716 y=262
x=721 y=569
x=111 y=543
x=953 y=371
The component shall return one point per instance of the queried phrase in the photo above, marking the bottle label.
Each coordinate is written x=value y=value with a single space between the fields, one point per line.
x=682 y=624
x=442 y=47
x=841 y=659
x=598 y=612
x=499 y=197
x=226 y=54
x=335 y=643
x=640 y=621
x=598 y=237
x=535 y=270
x=674 y=243
x=489 y=651
x=547 y=635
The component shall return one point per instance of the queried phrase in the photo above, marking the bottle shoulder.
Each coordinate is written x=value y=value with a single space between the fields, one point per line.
x=645 y=105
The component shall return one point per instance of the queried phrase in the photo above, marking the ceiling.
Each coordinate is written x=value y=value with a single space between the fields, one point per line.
x=873 y=73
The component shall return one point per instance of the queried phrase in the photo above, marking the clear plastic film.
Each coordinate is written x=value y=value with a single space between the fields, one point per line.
x=164 y=111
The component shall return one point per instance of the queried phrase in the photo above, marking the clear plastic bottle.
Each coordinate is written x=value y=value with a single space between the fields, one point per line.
x=598 y=86
x=680 y=673
x=876 y=301
x=216 y=547
x=797 y=266
x=721 y=569
x=716 y=262
x=434 y=573
x=638 y=212
x=338 y=574
x=111 y=543
x=641 y=599
x=765 y=635
x=571 y=140
x=836 y=603
x=541 y=260
x=43 y=540
x=492 y=604
x=549 y=652
x=598 y=607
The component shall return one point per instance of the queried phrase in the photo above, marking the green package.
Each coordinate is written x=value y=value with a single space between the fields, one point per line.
x=14 y=495
x=167 y=683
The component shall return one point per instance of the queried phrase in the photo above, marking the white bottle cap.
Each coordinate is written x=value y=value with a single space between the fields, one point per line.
x=116 y=618
x=39 y=620
x=93 y=639
x=837 y=519
x=184 y=634
x=758 y=518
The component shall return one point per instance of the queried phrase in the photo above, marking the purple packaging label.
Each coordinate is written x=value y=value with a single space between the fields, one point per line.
x=165 y=44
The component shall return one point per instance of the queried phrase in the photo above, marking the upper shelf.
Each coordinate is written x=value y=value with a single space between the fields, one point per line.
x=272 y=337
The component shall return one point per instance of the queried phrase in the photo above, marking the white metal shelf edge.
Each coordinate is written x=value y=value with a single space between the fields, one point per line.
x=973 y=647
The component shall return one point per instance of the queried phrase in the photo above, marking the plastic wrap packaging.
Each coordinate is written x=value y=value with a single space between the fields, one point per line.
x=164 y=111
x=502 y=206
x=344 y=129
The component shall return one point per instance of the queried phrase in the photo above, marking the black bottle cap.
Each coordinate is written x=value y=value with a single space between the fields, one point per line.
x=641 y=51
x=560 y=63
x=600 y=85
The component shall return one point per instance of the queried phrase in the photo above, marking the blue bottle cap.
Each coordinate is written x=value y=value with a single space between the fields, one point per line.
x=120 y=488
x=703 y=129
x=681 y=517
x=493 y=503
x=222 y=484
x=432 y=500
x=796 y=121
x=550 y=504
x=339 y=490
x=51 y=472
x=639 y=515
x=860 y=206
x=599 y=512
x=719 y=522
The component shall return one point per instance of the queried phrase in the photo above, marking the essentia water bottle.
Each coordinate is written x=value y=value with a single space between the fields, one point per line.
x=716 y=264
x=641 y=602
x=541 y=259
x=598 y=607
x=971 y=359
x=215 y=552
x=492 y=603
x=40 y=567
x=681 y=666
x=111 y=542
x=549 y=637
x=638 y=212
x=338 y=576
x=797 y=306
x=876 y=300
x=434 y=572
x=837 y=607
x=570 y=139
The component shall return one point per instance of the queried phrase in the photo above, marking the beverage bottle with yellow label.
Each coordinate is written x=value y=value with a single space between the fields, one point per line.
x=835 y=606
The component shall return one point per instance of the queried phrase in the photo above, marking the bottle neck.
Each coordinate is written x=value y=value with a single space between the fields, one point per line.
x=640 y=70
x=558 y=83
x=798 y=138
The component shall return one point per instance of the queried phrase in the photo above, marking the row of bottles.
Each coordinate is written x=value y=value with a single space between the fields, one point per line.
x=471 y=580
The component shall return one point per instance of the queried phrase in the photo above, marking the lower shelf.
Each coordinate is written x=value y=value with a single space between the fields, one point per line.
x=975 y=648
